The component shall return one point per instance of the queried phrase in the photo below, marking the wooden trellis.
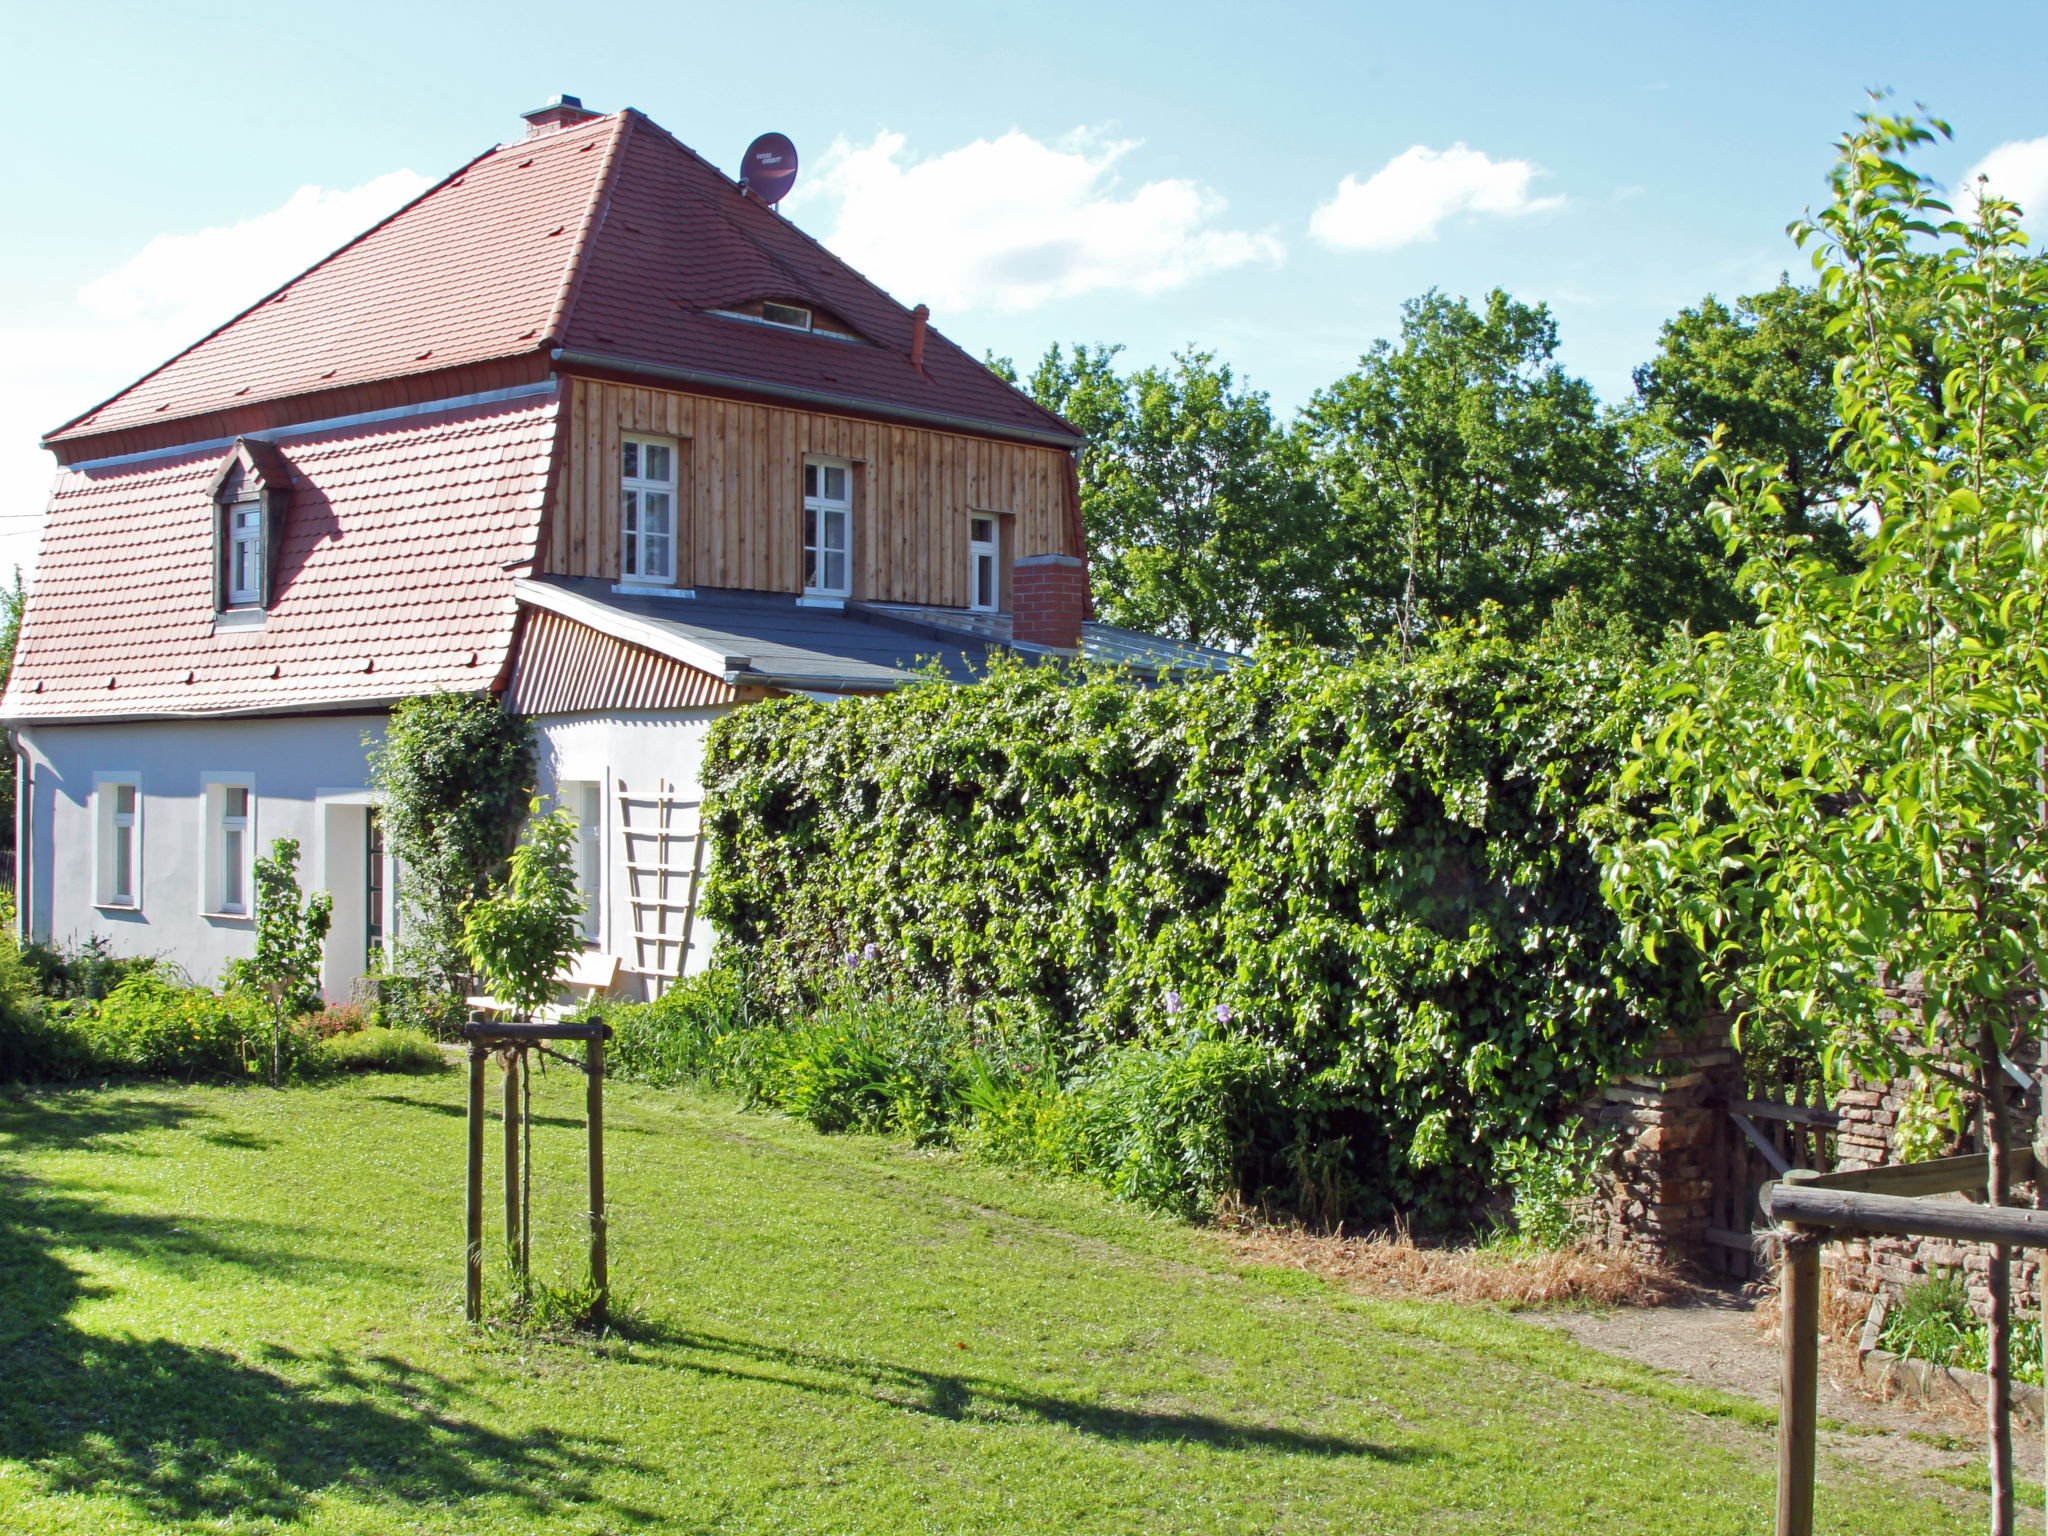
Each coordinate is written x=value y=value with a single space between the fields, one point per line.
x=662 y=838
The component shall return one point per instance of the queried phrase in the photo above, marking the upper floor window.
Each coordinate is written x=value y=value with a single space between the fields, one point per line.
x=648 y=510
x=244 y=583
x=790 y=315
x=828 y=529
x=983 y=570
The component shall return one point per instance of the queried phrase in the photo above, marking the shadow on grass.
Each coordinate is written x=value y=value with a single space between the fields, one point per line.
x=461 y=1111
x=954 y=1395
x=181 y=1433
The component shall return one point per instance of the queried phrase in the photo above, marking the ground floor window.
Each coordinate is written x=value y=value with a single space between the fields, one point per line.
x=117 y=827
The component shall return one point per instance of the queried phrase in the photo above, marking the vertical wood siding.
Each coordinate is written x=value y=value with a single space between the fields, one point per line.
x=741 y=494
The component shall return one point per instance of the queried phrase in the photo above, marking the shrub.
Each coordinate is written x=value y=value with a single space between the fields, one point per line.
x=150 y=1027
x=376 y=1049
x=680 y=1036
x=1551 y=1181
x=337 y=1019
x=1367 y=879
x=87 y=971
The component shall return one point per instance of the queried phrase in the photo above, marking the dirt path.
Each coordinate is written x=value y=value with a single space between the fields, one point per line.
x=1713 y=1338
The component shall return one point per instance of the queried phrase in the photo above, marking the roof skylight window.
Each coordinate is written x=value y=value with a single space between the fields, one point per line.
x=786 y=314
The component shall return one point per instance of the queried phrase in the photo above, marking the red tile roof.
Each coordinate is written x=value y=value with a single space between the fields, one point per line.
x=609 y=239
x=392 y=574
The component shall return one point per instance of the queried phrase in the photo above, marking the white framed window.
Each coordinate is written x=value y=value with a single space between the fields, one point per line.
x=984 y=565
x=228 y=804
x=794 y=316
x=585 y=800
x=647 y=509
x=117 y=839
x=828 y=528
x=244 y=584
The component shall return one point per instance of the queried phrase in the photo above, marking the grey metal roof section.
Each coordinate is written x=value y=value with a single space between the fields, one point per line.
x=1099 y=642
x=764 y=638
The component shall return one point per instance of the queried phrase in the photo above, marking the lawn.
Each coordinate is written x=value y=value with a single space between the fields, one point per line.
x=241 y=1309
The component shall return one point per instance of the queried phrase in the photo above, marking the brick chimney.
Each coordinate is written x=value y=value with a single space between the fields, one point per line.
x=1048 y=601
x=562 y=112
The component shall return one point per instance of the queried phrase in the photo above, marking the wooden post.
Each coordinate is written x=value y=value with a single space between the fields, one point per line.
x=473 y=1257
x=1799 y=1380
x=512 y=1243
x=600 y=1270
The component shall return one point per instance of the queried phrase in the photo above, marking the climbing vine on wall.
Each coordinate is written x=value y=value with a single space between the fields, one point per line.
x=1372 y=868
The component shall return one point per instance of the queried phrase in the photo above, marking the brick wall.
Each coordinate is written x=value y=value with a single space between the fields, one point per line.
x=1885 y=1266
x=1655 y=1196
x=1048 y=601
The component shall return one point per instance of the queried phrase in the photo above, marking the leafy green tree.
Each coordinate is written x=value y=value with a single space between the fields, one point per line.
x=1852 y=791
x=1460 y=464
x=531 y=925
x=13 y=601
x=454 y=769
x=1203 y=523
x=290 y=932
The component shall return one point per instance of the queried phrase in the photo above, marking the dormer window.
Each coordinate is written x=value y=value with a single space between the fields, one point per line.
x=647 y=484
x=786 y=314
x=249 y=494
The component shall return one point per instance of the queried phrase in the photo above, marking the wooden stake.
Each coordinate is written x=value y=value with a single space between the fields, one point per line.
x=1799 y=1380
x=473 y=1258
x=600 y=1269
x=512 y=1243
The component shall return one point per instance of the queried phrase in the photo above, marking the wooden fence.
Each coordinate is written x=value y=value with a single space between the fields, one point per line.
x=1756 y=1140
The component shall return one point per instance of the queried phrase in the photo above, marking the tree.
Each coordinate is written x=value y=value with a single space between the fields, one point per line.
x=289 y=937
x=532 y=924
x=1203 y=523
x=1852 y=791
x=1460 y=465
x=13 y=602
x=454 y=769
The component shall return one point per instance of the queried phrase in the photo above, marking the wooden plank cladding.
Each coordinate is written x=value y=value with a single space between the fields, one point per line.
x=741 y=494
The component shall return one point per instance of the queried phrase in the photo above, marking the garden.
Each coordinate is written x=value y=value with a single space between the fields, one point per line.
x=1026 y=989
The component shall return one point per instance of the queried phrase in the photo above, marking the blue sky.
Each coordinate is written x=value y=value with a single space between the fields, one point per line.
x=1148 y=174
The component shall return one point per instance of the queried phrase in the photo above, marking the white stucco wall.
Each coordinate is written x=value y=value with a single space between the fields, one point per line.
x=638 y=756
x=309 y=778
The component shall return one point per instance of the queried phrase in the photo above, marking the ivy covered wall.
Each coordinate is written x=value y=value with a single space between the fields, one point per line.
x=1373 y=870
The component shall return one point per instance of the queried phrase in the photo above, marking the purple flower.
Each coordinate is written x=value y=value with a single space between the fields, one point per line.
x=1172 y=1001
x=868 y=952
x=1223 y=1013
x=850 y=960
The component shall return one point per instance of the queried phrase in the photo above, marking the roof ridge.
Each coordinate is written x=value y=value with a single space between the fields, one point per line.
x=867 y=282
x=593 y=225
x=406 y=207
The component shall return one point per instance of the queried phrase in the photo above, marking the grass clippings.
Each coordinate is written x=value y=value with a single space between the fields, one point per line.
x=1491 y=1274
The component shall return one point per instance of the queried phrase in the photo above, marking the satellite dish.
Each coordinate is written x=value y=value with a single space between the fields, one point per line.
x=768 y=169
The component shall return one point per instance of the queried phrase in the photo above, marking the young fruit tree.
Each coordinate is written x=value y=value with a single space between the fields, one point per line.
x=532 y=923
x=1850 y=826
x=290 y=931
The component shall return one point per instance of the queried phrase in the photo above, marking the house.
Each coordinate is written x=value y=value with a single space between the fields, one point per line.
x=586 y=426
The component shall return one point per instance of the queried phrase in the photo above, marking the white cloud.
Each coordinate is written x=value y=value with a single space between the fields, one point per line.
x=1413 y=193
x=2017 y=171
x=1011 y=223
x=217 y=272
x=161 y=299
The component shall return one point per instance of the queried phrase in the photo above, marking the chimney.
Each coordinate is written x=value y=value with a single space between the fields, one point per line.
x=1049 y=601
x=562 y=112
x=918 y=317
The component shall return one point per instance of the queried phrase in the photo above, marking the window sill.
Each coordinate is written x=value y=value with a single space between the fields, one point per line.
x=231 y=619
x=820 y=600
x=118 y=906
x=649 y=589
x=228 y=917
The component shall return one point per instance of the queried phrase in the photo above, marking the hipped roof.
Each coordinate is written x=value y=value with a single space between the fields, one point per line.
x=610 y=242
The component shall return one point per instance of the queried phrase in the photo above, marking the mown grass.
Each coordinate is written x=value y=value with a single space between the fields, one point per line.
x=237 y=1309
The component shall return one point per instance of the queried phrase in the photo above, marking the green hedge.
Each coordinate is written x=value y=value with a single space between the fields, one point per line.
x=1352 y=899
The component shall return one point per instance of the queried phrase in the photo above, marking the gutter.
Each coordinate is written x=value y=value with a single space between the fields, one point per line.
x=813 y=397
